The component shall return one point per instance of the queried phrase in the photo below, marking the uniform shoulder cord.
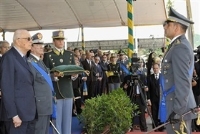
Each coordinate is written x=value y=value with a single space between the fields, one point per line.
x=182 y=127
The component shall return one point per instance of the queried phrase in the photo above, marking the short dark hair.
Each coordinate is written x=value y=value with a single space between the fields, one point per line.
x=183 y=27
x=76 y=49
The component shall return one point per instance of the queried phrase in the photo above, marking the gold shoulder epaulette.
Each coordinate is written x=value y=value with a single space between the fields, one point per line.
x=56 y=51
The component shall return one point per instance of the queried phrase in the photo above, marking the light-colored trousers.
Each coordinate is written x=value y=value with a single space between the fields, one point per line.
x=64 y=115
x=113 y=86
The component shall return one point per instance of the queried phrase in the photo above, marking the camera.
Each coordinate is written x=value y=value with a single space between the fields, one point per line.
x=197 y=55
x=135 y=65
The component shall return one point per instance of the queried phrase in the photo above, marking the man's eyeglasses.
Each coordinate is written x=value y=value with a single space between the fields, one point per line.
x=28 y=38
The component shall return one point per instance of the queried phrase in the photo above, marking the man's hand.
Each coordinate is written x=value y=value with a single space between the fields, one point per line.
x=194 y=83
x=171 y=118
x=120 y=72
x=146 y=89
x=56 y=74
x=97 y=74
x=99 y=78
x=84 y=78
x=17 y=121
x=149 y=102
x=125 y=86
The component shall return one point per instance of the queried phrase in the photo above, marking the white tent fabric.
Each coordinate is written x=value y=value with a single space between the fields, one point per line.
x=65 y=14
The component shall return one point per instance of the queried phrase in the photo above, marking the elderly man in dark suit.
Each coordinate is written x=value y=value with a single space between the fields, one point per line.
x=88 y=64
x=104 y=66
x=177 y=69
x=18 y=98
x=42 y=85
x=98 y=73
x=153 y=94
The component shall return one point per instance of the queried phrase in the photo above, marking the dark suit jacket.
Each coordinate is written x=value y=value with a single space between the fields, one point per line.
x=99 y=70
x=86 y=66
x=43 y=91
x=104 y=66
x=17 y=87
x=154 y=89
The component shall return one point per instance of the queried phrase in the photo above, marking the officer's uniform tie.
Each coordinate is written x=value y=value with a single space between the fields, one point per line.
x=61 y=52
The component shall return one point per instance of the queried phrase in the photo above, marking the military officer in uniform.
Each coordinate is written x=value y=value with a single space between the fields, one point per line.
x=123 y=64
x=62 y=84
x=177 y=68
x=43 y=89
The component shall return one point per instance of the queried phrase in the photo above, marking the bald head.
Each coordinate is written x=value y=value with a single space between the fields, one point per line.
x=22 y=40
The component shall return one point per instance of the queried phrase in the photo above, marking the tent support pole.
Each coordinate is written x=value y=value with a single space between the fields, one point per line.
x=83 y=41
x=191 y=27
x=3 y=35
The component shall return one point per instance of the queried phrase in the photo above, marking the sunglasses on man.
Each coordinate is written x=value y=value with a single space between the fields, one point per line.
x=28 y=38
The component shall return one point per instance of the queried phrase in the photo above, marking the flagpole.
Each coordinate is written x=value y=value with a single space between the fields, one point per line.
x=131 y=45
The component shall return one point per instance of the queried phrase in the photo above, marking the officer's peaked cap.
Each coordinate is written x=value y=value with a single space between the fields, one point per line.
x=37 y=38
x=58 y=34
x=174 y=16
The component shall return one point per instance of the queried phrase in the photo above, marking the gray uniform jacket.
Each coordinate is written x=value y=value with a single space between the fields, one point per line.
x=43 y=92
x=177 y=69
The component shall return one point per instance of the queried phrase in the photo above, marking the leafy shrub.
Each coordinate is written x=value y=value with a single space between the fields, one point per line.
x=112 y=111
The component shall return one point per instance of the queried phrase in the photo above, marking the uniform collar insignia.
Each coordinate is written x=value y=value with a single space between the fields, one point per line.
x=58 y=52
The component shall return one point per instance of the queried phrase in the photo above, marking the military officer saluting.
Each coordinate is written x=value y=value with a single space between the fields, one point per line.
x=62 y=84
x=43 y=86
x=177 y=68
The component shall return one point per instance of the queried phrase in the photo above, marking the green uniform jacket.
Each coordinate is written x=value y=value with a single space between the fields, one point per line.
x=62 y=87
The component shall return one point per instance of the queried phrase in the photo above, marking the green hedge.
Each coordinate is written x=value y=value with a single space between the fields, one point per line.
x=113 y=111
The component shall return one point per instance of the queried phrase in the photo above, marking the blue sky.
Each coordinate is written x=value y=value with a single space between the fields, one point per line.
x=121 y=32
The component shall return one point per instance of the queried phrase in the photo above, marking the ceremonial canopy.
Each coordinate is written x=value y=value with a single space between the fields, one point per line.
x=65 y=14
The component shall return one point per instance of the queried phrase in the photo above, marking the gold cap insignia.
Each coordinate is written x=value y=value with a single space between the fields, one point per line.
x=60 y=34
x=39 y=35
